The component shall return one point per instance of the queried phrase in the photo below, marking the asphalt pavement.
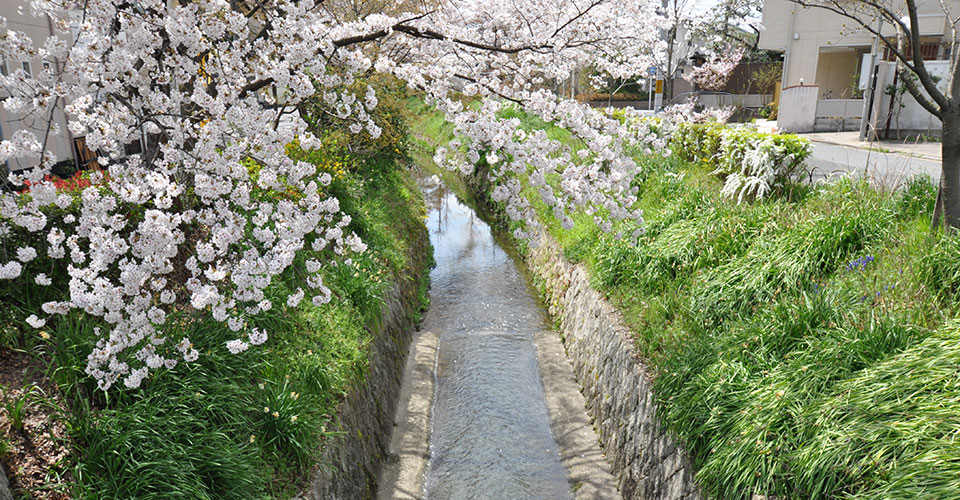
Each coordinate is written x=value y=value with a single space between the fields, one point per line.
x=881 y=168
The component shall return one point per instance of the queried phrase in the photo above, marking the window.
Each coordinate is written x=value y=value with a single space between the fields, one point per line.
x=26 y=68
x=46 y=65
x=678 y=73
x=3 y=67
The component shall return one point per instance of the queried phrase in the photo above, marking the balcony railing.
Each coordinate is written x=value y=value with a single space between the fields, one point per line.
x=935 y=51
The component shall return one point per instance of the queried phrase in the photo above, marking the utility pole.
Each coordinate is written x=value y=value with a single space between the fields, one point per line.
x=867 y=113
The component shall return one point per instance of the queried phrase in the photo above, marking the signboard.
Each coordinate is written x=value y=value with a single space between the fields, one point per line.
x=866 y=65
x=652 y=71
x=658 y=96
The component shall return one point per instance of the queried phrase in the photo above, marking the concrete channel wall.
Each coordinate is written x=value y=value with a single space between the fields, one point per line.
x=351 y=462
x=648 y=463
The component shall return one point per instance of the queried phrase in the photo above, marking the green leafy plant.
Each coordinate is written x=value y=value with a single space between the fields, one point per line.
x=16 y=407
x=765 y=111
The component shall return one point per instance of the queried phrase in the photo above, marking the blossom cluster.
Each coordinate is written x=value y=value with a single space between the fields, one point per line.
x=596 y=178
x=714 y=75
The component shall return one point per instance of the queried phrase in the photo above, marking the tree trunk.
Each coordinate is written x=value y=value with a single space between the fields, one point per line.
x=950 y=167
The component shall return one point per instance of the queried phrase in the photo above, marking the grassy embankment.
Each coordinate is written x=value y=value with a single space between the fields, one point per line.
x=801 y=349
x=230 y=426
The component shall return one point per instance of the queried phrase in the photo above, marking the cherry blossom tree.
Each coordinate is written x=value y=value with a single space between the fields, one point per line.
x=714 y=75
x=213 y=86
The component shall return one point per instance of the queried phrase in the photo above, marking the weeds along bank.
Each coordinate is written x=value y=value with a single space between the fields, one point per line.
x=801 y=346
x=247 y=425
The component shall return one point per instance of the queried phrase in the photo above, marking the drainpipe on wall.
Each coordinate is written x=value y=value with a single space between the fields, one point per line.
x=867 y=112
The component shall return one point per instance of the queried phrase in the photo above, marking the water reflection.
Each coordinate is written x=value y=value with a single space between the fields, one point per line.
x=490 y=434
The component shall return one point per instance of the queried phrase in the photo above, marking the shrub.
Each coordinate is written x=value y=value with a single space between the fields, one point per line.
x=765 y=111
x=753 y=164
x=697 y=142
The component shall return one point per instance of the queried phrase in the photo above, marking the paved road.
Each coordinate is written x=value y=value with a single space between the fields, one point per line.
x=885 y=169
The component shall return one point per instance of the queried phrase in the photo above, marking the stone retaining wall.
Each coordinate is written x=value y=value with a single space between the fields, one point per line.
x=647 y=461
x=351 y=462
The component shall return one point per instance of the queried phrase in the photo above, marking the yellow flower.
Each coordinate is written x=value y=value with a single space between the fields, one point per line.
x=266 y=409
x=44 y=335
x=253 y=437
x=293 y=418
x=276 y=414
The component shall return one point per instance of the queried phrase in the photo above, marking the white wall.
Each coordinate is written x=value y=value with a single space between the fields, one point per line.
x=797 y=110
x=38 y=29
x=912 y=116
x=816 y=28
x=736 y=100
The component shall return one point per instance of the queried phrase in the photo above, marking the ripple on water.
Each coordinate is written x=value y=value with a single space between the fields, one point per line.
x=490 y=433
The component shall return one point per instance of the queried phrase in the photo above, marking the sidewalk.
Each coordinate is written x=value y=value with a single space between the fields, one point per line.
x=886 y=164
x=925 y=150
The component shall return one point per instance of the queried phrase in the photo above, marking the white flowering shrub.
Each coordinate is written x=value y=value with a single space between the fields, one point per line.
x=213 y=209
x=755 y=164
x=752 y=164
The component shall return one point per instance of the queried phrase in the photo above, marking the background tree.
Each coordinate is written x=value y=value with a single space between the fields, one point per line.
x=732 y=24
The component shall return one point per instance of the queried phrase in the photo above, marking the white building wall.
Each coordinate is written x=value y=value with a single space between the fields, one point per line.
x=798 y=108
x=38 y=29
x=912 y=116
x=802 y=32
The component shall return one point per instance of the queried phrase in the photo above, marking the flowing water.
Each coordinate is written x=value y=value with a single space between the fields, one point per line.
x=490 y=434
